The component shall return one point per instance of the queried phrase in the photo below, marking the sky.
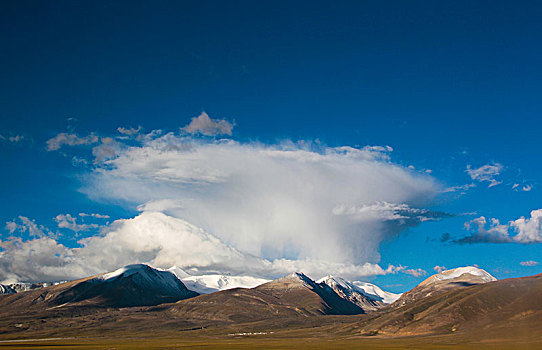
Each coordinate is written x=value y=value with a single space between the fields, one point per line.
x=380 y=141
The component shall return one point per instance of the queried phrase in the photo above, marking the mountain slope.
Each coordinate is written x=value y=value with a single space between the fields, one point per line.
x=289 y=297
x=358 y=295
x=495 y=307
x=457 y=278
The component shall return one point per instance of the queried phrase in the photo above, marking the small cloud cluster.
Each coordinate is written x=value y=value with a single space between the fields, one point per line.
x=204 y=125
x=13 y=138
x=69 y=222
x=529 y=263
x=439 y=269
x=129 y=131
x=24 y=225
x=486 y=173
x=527 y=230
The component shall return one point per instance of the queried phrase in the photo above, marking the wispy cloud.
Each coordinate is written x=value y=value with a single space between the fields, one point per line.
x=486 y=173
x=529 y=263
x=94 y=215
x=415 y=272
x=70 y=139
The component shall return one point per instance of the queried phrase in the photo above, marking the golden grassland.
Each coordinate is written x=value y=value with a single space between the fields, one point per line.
x=313 y=338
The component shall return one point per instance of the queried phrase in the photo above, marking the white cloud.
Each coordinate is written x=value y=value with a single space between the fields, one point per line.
x=207 y=126
x=270 y=200
x=486 y=173
x=161 y=241
x=528 y=230
x=67 y=139
x=529 y=263
x=224 y=206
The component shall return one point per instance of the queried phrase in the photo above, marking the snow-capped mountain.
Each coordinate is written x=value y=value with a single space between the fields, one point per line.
x=375 y=292
x=205 y=284
x=300 y=288
x=457 y=278
x=471 y=273
x=366 y=295
x=213 y=283
x=132 y=285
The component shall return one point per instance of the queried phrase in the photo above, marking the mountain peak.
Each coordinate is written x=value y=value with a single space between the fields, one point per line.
x=444 y=281
x=470 y=274
x=297 y=277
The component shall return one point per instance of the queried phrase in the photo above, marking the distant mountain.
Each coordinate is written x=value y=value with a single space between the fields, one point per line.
x=376 y=293
x=5 y=289
x=205 y=284
x=367 y=296
x=213 y=283
x=132 y=285
x=295 y=296
x=495 y=310
x=332 y=303
x=24 y=286
x=460 y=277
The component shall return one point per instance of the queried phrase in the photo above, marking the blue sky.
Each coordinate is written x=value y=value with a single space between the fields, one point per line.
x=446 y=85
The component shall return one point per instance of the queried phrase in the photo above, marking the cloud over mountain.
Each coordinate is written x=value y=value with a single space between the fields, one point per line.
x=220 y=205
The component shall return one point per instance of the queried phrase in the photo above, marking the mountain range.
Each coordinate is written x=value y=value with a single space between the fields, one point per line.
x=458 y=301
